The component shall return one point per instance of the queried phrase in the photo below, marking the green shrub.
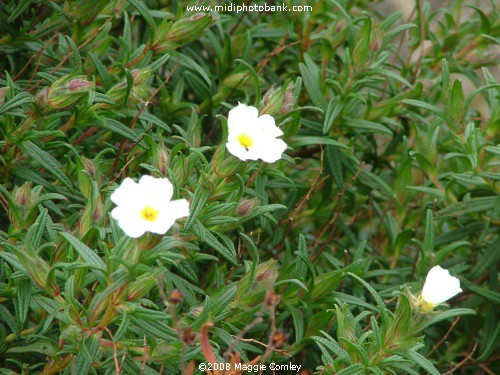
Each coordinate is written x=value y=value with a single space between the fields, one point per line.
x=317 y=259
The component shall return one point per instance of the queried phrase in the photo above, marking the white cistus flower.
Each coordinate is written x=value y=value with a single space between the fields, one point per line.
x=146 y=206
x=439 y=287
x=251 y=137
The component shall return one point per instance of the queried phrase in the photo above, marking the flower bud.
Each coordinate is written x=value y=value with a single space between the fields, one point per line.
x=252 y=291
x=171 y=36
x=242 y=81
x=272 y=299
x=22 y=194
x=375 y=40
x=224 y=165
x=41 y=100
x=3 y=95
x=141 y=287
x=340 y=26
x=23 y=209
x=140 y=75
x=68 y=90
x=176 y=296
x=139 y=93
x=38 y=270
x=160 y=160
x=439 y=287
x=188 y=336
x=188 y=29
x=89 y=167
x=118 y=93
x=279 y=339
x=98 y=211
x=246 y=206
x=278 y=101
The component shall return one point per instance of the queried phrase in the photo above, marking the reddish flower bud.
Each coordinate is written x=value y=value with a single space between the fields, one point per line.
x=278 y=101
x=3 y=95
x=246 y=206
x=68 y=90
x=176 y=296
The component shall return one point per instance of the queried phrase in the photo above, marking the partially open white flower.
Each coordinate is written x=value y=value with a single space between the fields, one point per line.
x=146 y=206
x=439 y=287
x=251 y=137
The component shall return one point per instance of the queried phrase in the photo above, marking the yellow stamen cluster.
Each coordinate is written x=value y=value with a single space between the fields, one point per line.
x=149 y=213
x=245 y=141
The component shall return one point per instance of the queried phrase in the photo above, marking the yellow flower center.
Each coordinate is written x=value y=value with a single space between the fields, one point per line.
x=149 y=213
x=245 y=141
x=424 y=305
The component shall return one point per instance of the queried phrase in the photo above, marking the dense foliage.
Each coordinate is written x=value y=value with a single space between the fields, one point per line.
x=317 y=259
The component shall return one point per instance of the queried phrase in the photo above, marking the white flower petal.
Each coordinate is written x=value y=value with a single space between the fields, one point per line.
x=439 y=286
x=261 y=133
x=129 y=221
x=268 y=127
x=125 y=192
x=146 y=206
x=235 y=148
x=157 y=188
x=179 y=208
x=170 y=212
x=241 y=115
x=272 y=150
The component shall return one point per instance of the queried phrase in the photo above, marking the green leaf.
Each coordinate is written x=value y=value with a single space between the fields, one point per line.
x=86 y=355
x=191 y=64
x=491 y=344
x=17 y=101
x=431 y=108
x=200 y=199
x=77 y=60
x=35 y=232
x=23 y=300
x=354 y=369
x=447 y=314
x=361 y=50
x=101 y=69
x=44 y=347
x=156 y=65
x=46 y=160
x=301 y=141
x=255 y=78
x=120 y=129
x=390 y=74
x=144 y=11
x=154 y=328
x=373 y=292
x=457 y=102
x=424 y=189
x=364 y=126
x=490 y=295
x=429 y=232
x=21 y=6
x=334 y=108
x=208 y=238
x=7 y=317
x=261 y=210
x=334 y=347
x=473 y=205
x=376 y=182
x=311 y=77
x=298 y=323
x=85 y=252
x=294 y=281
x=419 y=360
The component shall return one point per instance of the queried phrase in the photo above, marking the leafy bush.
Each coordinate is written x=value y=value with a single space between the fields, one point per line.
x=392 y=165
